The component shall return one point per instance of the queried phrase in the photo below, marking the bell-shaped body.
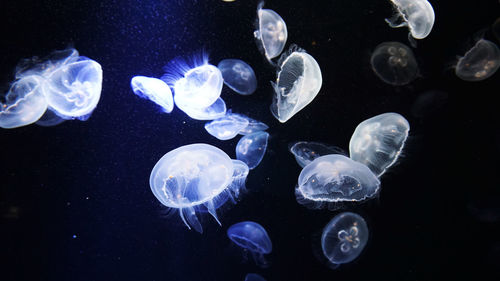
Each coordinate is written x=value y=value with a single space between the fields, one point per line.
x=226 y=127
x=271 y=34
x=254 y=277
x=214 y=111
x=394 y=63
x=480 y=62
x=200 y=87
x=253 y=126
x=251 y=148
x=253 y=237
x=344 y=238
x=418 y=15
x=155 y=90
x=238 y=75
x=299 y=81
x=377 y=142
x=306 y=151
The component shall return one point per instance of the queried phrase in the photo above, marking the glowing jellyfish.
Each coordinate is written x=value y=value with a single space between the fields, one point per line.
x=251 y=148
x=238 y=75
x=226 y=127
x=418 y=15
x=154 y=89
x=196 y=177
x=253 y=237
x=344 y=238
x=299 y=81
x=480 y=62
x=306 y=151
x=271 y=34
x=377 y=142
x=254 y=277
x=394 y=63
x=333 y=179
x=253 y=125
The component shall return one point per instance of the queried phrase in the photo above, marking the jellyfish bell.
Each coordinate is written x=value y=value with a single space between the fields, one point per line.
x=306 y=151
x=480 y=62
x=238 y=75
x=253 y=237
x=153 y=89
x=271 y=33
x=394 y=63
x=418 y=15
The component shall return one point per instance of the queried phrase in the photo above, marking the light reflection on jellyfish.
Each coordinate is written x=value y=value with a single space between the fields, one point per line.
x=271 y=33
x=153 y=89
x=418 y=15
x=306 y=151
x=251 y=148
x=238 y=75
x=251 y=237
x=394 y=63
x=480 y=62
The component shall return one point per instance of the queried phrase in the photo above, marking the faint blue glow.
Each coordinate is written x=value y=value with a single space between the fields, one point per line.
x=155 y=90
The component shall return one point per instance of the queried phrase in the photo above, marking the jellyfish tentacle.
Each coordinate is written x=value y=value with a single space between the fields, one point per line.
x=211 y=210
x=189 y=218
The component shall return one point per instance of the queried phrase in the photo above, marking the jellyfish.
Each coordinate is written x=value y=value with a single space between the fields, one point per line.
x=214 y=111
x=480 y=62
x=49 y=119
x=252 y=237
x=196 y=177
x=299 y=81
x=238 y=75
x=394 y=63
x=271 y=33
x=330 y=180
x=251 y=148
x=418 y=15
x=344 y=238
x=377 y=142
x=226 y=127
x=154 y=89
x=305 y=152
x=253 y=126
x=254 y=277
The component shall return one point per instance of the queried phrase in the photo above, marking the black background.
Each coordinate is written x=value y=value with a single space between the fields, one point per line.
x=75 y=199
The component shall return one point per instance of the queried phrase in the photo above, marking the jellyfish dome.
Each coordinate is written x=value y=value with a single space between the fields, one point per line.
x=271 y=34
x=153 y=89
x=238 y=75
x=480 y=62
x=394 y=63
x=418 y=15
x=253 y=237
x=298 y=82
x=306 y=151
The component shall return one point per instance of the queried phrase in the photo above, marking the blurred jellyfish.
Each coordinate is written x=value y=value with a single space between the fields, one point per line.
x=254 y=277
x=196 y=177
x=253 y=125
x=238 y=75
x=271 y=33
x=299 y=81
x=378 y=141
x=251 y=148
x=306 y=151
x=394 y=63
x=344 y=238
x=226 y=127
x=252 y=237
x=418 y=15
x=428 y=104
x=49 y=119
x=333 y=179
x=153 y=89
x=480 y=62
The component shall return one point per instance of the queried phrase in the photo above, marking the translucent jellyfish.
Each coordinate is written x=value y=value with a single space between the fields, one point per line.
x=377 y=142
x=394 y=63
x=480 y=62
x=306 y=151
x=216 y=110
x=344 y=238
x=251 y=148
x=196 y=177
x=418 y=15
x=299 y=81
x=238 y=75
x=49 y=119
x=333 y=179
x=253 y=125
x=154 y=89
x=271 y=33
x=226 y=127
x=252 y=237
x=254 y=277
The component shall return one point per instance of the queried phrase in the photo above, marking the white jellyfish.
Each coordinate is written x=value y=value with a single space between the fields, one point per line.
x=418 y=15
x=271 y=34
x=226 y=127
x=480 y=62
x=154 y=89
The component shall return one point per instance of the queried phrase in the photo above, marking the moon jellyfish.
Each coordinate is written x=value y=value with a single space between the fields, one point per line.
x=196 y=177
x=238 y=75
x=252 y=237
x=377 y=142
x=334 y=179
x=226 y=127
x=344 y=238
x=251 y=148
x=299 y=81
x=154 y=89
x=394 y=63
x=306 y=151
x=254 y=277
x=418 y=15
x=480 y=62
x=271 y=34
x=253 y=126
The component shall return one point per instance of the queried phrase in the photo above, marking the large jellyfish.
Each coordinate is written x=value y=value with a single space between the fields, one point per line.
x=253 y=237
x=377 y=142
x=306 y=151
x=154 y=89
x=238 y=75
x=196 y=177
x=299 y=81
x=251 y=148
x=394 y=63
x=271 y=33
x=254 y=277
x=418 y=15
x=480 y=62
x=344 y=238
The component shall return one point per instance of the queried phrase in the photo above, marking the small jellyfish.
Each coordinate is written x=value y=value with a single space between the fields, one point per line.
x=154 y=89
x=253 y=125
x=334 y=179
x=254 y=277
x=418 y=15
x=377 y=142
x=226 y=127
x=306 y=151
x=251 y=148
x=480 y=62
x=299 y=81
x=271 y=33
x=238 y=75
x=344 y=238
x=394 y=63
x=252 y=237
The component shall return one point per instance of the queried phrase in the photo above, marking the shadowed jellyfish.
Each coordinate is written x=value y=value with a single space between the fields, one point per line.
x=418 y=15
x=306 y=151
x=428 y=104
x=297 y=84
x=155 y=90
x=251 y=148
x=49 y=119
x=226 y=127
x=254 y=277
x=252 y=237
x=495 y=28
x=196 y=177
x=344 y=238
x=480 y=62
x=271 y=33
x=238 y=75
x=394 y=63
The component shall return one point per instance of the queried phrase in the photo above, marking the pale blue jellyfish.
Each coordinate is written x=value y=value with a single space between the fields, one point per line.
x=154 y=89
x=344 y=238
x=271 y=33
x=226 y=127
x=196 y=177
x=214 y=111
x=306 y=151
x=252 y=237
x=49 y=119
x=238 y=75
x=254 y=277
x=480 y=62
x=251 y=148
x=253 y=126
x=418 y=15
x=378 y=141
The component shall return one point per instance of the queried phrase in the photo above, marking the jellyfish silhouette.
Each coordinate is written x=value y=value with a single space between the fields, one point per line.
x=252 y=237
x=418 y=15
x=271 y=33
x=480 y=62
x=226 y=127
